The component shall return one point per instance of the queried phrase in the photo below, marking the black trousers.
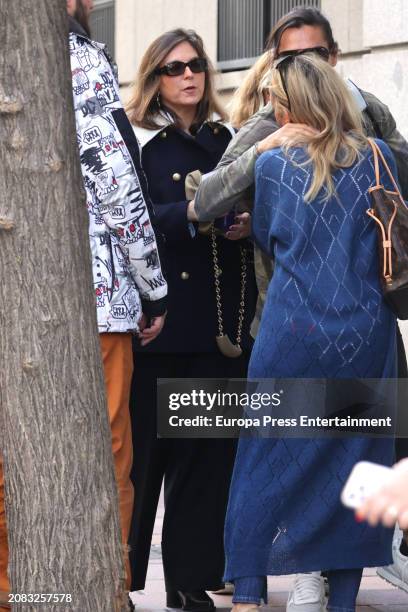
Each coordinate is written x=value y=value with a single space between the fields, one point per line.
x=196 y=473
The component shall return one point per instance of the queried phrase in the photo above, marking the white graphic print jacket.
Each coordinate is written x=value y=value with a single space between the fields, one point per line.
x=126 y=266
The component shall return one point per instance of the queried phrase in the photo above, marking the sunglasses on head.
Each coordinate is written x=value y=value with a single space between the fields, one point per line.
x=177 y=68
x=284 y=59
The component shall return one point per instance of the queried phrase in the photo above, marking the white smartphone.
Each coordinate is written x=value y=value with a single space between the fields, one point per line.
x=365 y=479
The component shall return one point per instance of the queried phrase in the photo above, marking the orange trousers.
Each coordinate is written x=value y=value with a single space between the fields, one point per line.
x=118 y=367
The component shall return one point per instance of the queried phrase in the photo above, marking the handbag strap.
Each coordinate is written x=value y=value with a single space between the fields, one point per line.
x=217 y=274
x=379 y=154
x=386 y=243
x=385 y=232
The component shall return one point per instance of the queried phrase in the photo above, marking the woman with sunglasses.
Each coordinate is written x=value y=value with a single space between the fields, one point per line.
x=324 y=318
x=212 y=294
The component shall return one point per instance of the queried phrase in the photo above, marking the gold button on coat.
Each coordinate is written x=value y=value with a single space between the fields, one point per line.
x=216 y=130
x=163 y=135
x=176 y=176
x=185 y=275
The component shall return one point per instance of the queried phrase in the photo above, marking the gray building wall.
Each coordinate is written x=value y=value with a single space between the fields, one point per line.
x=373 y=38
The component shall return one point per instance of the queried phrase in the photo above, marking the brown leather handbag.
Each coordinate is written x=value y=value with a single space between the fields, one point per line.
x=390 y=213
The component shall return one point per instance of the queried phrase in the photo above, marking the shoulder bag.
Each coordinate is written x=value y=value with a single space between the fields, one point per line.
x=390 y=212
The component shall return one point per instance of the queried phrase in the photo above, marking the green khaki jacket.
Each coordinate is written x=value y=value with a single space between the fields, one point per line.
x=232 y=182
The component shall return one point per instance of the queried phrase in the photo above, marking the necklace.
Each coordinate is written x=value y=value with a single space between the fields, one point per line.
x=228 y=348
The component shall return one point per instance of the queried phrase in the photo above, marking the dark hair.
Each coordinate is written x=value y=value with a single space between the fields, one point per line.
x=297 y=18
x=144 y=105
x=82 y=18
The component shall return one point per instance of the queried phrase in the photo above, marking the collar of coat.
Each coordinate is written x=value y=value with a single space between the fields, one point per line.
x=144 y=135
x=76 y=27
x=78 y=30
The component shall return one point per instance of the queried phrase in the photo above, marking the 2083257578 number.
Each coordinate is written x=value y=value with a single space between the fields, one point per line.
x=39 y=598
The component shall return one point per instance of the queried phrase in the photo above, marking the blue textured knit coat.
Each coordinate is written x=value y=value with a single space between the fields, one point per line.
x=324 y=317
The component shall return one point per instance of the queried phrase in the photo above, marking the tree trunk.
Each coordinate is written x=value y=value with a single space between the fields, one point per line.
x=61 y=498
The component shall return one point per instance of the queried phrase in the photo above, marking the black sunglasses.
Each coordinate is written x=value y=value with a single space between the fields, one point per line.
x=322 y=51
x=198 y=64
x=283 y=60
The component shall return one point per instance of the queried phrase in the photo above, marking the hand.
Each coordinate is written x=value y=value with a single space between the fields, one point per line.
x=390 y=503
x=150 y=333
x=191 y=213
x=288 y=134
x=142 y=322
x=240 y=230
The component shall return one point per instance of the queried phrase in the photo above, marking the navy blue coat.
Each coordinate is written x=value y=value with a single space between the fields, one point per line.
x=168 y=155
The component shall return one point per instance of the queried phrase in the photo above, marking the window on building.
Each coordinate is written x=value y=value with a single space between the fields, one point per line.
x=244 y=26
x=102 y=22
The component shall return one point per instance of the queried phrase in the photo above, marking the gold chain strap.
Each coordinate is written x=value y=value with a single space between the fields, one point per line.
x=241 y=312
x=217 y=274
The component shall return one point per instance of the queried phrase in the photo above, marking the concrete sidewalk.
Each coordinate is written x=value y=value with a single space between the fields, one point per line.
x=375 y=595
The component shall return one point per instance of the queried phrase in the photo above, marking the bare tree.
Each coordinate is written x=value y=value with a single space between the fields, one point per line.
x=61 y=498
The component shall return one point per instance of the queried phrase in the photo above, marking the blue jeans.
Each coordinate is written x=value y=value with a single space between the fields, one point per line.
x=343 y=585
x=251 y=589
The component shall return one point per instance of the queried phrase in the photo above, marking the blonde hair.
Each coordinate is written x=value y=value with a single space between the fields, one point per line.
x=249 y=97
x=320 y=98
x=144 y=106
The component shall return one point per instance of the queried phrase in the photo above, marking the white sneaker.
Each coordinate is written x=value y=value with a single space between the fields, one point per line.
x=397 y=573
x=308 y=594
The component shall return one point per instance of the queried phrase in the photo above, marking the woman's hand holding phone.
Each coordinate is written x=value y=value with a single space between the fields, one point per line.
x=241 y=229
